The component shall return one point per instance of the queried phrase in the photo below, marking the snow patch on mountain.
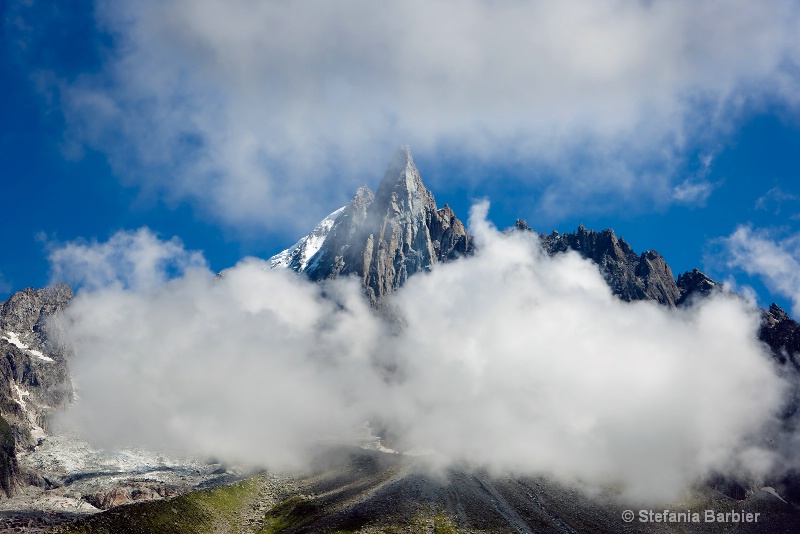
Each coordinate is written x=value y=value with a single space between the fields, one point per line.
x=298 y=255
x=13 y=338
x=37 y=432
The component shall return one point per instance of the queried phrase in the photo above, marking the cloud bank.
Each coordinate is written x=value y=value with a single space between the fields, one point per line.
x=249 y=108
x=509 y=360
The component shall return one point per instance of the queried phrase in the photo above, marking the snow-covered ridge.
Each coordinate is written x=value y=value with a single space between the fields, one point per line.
x=298 y=255
x=13 y=338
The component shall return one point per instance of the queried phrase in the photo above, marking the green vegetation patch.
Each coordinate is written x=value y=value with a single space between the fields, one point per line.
x=443 y=525
x=289 y=513
x=212 y=510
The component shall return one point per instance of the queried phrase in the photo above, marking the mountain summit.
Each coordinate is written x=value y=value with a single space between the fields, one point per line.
x=386 y=237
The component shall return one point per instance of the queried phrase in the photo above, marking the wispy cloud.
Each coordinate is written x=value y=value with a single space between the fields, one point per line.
x=260 y=111
x=693 y=193
x=763 y=253
x=774 y=199
x=509 y=360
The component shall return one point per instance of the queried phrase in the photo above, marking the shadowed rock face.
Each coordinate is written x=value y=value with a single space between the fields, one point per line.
x=34 y=379
x=630 y=276
x=782 y=334
x=386 y=237
x=694 y=284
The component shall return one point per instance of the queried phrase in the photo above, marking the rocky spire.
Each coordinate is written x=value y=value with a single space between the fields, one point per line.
x=402 y=184
x=385 y=238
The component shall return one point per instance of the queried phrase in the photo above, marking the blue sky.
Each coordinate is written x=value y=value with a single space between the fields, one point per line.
x=237 y=126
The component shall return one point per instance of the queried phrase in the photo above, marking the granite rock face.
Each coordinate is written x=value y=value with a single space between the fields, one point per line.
x=693 y=285
x=386 y=237
x=34 y=377
x=340 y=253
x=631 y=276
x=782 y=334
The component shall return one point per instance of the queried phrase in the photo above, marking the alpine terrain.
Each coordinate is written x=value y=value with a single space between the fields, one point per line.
x=382 y=239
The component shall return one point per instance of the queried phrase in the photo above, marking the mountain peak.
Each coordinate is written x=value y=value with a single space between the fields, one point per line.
x=386 y=237
x=401 y=192
x=401 y=175
x=402 y=159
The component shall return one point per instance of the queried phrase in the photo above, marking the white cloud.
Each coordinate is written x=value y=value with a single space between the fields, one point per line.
x=693 y=193
x=509 y=360
x=773 y=199
x=761 y=253
x=258 y=111
x=233 y=367
x=136 y=260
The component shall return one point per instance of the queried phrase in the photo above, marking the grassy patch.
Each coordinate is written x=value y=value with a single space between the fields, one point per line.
x=288 y=513
x=212 y=510
x=443 y=525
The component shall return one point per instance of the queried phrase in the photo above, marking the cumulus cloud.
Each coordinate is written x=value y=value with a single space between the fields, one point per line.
x=136 y=260
x=509 y=360
x=776 y=260
x=250 y=367
x=245 y=107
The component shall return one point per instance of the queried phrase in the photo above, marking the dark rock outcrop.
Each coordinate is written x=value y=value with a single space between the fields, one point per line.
x=341 y=252
x=782 y=334
x=34 y=378
x=385 y=238
x=630 y=276
x=9 y=470
x=694 y=284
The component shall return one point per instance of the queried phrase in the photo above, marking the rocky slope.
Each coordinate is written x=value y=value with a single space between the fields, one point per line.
x=631 y=276
x=782 y=334
x=34 y=378
x=386 y=237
